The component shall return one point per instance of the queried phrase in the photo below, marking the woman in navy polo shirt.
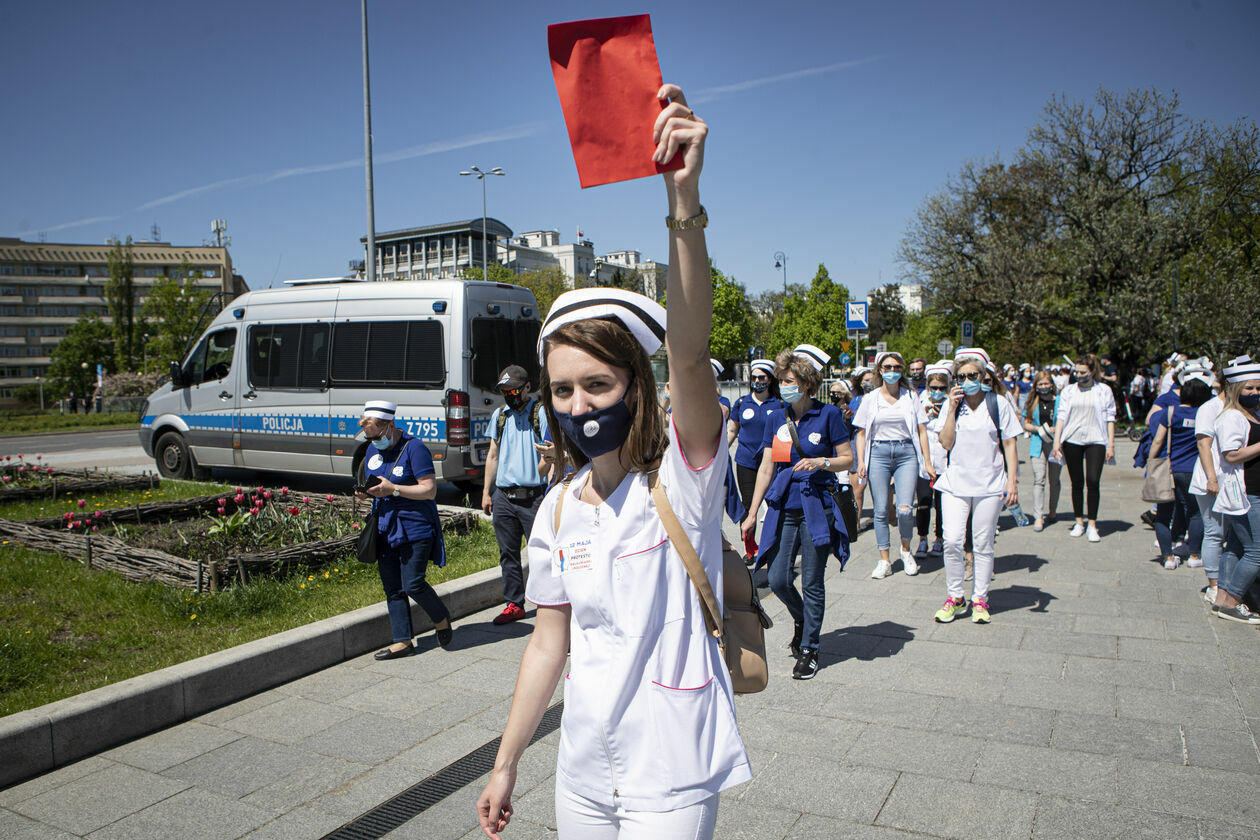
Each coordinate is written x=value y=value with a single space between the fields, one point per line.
x=398 y=470
x=1183 y=452
x=796 y=479
x=747 y=425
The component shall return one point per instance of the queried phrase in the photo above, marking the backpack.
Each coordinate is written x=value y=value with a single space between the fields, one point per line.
x=534 y=408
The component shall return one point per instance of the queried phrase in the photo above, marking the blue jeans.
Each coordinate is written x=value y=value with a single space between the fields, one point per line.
x=402 y=571
x=1190 y=512
x=808 y=610
x=1240 y=561
x=893 y=460
x=1213 y=536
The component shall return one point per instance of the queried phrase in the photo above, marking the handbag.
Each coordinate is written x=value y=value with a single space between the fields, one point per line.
x=841 y=494
x=366 y=545
x=740 y=629
x=1157 y=486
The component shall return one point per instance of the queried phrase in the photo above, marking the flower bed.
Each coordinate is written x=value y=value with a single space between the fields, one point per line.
x=21 y=479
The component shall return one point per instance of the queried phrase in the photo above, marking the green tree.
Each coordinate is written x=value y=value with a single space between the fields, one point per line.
x=171 y=314
x=1078 y=241
x=120 y=298
x=812 y=316
x=732 y=319
x=546 y=284
x=886 y=313
x=73 y=364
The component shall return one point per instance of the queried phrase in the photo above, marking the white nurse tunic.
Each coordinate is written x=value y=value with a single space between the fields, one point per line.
x=649 y=714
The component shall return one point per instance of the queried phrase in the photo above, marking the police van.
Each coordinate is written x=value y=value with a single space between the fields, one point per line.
x=279 y=378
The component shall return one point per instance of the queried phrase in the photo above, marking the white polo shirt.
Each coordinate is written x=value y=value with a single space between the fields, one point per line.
x=975 y=462
x=649 y=714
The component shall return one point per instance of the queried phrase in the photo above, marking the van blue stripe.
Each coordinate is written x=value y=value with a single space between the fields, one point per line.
x=428 y=429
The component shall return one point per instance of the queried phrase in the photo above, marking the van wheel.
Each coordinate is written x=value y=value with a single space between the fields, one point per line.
x=172 y=456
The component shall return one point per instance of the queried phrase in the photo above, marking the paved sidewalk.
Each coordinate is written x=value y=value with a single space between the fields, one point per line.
x=1103 y=701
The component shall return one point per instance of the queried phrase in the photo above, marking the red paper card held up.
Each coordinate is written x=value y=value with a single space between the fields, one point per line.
x=607 y=76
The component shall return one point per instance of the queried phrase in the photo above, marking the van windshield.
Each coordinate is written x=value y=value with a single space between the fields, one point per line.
x=499 y=342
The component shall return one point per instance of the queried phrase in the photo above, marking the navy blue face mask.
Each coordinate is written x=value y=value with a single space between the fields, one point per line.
x=597 y=432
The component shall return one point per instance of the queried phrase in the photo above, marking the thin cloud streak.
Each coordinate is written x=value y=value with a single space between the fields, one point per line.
x=66 y=225
x=438 y=147
x=709 y=94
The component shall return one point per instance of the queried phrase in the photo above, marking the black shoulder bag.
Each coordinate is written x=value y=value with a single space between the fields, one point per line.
x=365 y=546
x=842 y=494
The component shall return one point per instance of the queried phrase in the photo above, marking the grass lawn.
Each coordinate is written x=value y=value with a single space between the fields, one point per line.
x=12 y=423
x=65 y=629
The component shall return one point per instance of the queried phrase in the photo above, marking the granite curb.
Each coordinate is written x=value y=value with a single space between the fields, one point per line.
x=50 y=736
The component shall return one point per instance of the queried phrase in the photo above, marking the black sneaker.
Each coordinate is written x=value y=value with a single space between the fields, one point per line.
x=806 y=666
x=444 y=636
x=795 y=644
x=1148 y=517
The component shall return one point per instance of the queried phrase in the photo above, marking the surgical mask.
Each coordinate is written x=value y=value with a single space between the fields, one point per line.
x=789 y=393
x=936 y=394
x=916 y=375
x=1084 y=380
x=1249 y=400
x=597 y=432
x=383 y=442
x=986 y=388
x=1045 y=392
x=969 y=387
x=868 y=386
x=891 y=377
x=759 y=387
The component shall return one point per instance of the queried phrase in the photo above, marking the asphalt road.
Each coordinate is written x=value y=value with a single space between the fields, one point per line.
x=119 y=450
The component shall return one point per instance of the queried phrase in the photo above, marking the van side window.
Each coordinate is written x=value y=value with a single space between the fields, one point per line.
x=406 y=354
x=213 y=357
x=499 y=342
x=288 y=355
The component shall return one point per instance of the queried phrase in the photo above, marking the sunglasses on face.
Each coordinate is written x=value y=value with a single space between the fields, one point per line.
x=761 y=377
x=970 y=377
x=892 y=367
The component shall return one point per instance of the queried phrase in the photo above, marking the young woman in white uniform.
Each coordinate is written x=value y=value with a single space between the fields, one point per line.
x=648 y=737
x=975 y=482
x=1085 y=439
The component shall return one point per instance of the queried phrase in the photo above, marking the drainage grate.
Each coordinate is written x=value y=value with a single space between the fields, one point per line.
x=389 y=815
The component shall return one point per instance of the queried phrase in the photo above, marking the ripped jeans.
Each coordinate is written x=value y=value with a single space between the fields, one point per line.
x=893 y=460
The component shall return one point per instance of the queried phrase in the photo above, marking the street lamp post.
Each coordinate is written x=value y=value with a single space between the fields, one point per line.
x=40 y=381
x=780 y=261
x=481 y=176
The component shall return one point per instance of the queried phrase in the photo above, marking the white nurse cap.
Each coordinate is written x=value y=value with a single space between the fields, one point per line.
x=380 y=409
x=642 y=316
x=813 y=355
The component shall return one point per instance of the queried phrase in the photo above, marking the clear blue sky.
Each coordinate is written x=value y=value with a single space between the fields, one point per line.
x=831 y=122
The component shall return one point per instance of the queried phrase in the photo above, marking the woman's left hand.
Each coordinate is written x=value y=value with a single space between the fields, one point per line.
x=1111 y=452
x=679 y=127
x=808 y=465
x=380 y=491
x=931 y=471
x=1012 y=494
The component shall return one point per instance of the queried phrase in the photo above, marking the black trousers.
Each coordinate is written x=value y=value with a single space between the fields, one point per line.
x=1084 y=466
x=746 y=481
x=512 y=522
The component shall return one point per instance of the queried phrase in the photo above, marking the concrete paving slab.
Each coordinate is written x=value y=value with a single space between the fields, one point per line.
x=956 y=809
x=1042 y=770
x=1059 y=817
x=741 y=820
x=289 y=720
x=1190 y=791
x=315 y=777
x=172 y=746
x=1224 y=749
x=795 y=782
x=1108 y=735
x=1155 y=675
x=299 y=823
x=1177 y=707
x=190 y=813
x=17 y=827
x=1016 y=724
x=241 y=767
x=94 y=801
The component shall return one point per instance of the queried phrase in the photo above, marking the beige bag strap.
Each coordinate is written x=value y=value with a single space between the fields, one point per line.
x=560 y=502
x=691 y=560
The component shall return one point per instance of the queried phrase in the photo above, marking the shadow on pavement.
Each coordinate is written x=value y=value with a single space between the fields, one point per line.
x=867 y=643
x=1019 y=598
x=1112 y=526
x=470 y=635
x=1016 y=562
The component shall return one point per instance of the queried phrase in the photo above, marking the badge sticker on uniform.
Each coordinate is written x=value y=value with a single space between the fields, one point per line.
x=815 y=438
x=375 y=462
x=749 y=414
x=398 y=470
x=574 y=557
x=781 y=448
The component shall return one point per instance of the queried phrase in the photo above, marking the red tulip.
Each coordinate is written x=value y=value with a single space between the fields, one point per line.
x=82 y=503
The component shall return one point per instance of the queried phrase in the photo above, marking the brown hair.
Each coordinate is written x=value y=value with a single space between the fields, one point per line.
x=1090 y=361
x=1031 y=405
x=807 y=377
x=611 y=343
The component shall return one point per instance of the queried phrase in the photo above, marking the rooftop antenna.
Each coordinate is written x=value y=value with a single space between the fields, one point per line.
x=218 y=227
x=43 y=236
x=155 y=232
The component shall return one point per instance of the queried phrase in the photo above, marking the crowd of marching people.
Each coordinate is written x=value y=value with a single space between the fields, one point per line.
x=934 y=449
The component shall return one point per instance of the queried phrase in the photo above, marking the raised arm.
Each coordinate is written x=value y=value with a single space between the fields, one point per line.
x=689 y=295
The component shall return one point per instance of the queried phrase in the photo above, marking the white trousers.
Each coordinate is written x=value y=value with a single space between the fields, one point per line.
x=579 y=818
x=984 y=512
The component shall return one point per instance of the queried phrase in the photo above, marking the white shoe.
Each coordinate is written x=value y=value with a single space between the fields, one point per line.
x=1172 y=563
x=921 y=551
x=1209 y=594
x=882 y=570
x=1195 y=561
x=937 y=549
x=1092 y=534
x=907 y=560
x=1077 y=530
